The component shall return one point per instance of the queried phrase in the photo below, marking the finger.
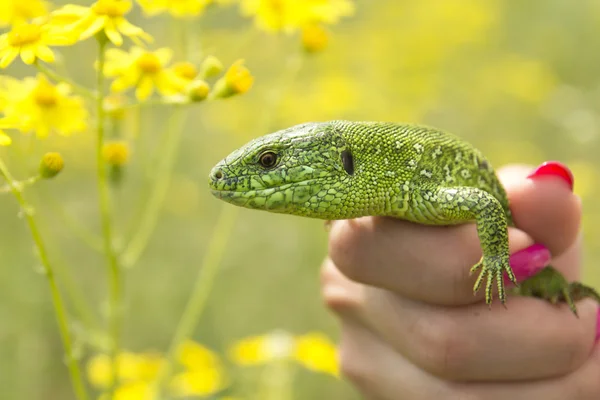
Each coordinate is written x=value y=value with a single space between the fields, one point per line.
x=582 y=384
x=531 y=340
x=381 y=373
x=428 y=263
x=544 y=207
x=431 y=263
x=470 y=343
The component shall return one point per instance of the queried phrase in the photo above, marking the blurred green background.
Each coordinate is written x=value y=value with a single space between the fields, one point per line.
x=519 y=79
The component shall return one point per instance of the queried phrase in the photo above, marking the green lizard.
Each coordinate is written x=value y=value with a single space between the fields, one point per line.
x=343 y=169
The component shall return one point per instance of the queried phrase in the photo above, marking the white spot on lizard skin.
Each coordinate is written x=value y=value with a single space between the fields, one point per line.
x=436 y=152
x=412 y=164
x=418 y=148
x=458 y=157
x=465 y=173
x=426 y=173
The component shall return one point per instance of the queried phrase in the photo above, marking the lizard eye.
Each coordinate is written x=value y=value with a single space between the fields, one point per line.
x=267 y=159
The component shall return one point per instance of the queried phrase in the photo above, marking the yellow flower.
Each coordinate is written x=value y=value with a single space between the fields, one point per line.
x=314 y=351
x=138 y=390
x=314 y=38
x=116 y=153
x=31 y=41
x=237 y=80
x=289 y=15
x=131 y=367
x=107 y=16
x=144 y=70
x=36 y=105
x=177 y=8
x=15 y=11
x=203 y=374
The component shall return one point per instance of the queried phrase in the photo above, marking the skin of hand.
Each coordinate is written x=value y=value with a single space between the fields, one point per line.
x=411 y=328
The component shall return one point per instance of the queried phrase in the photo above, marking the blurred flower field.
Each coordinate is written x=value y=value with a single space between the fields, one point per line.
x=114 y=255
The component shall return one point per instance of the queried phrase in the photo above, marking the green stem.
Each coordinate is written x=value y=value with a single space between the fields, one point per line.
x=151 y=203
x=59 y=78
x=59 y=307
x=204 y=282
x=114 y=282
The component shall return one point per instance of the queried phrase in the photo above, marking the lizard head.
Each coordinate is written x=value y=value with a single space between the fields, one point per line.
x=302 y=170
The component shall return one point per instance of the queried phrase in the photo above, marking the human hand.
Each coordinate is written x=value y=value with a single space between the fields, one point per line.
x=412 y=329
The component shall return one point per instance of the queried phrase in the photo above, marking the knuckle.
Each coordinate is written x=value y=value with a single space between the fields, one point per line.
x=441 y=346
x=339 y=294
x=345 y=244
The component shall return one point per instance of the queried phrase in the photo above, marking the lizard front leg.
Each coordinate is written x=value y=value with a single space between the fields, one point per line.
x=460 y=204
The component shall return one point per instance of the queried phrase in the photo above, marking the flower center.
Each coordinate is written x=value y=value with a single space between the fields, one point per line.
x=24 y=34
x=45 y=95
x=148 y=63
x=186 y=70
x=111 y=8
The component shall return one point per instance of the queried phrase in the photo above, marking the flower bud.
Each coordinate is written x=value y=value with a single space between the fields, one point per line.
x=314 y=38
x=116 y=153
x=237 y=80
x=113 y=106
x=211 y=66
x=51 y=165
x=185 y=70
x=198 y=90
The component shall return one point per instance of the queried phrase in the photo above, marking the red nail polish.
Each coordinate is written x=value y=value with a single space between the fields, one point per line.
x=528 y=262
x=554 y=168
x=598 y=325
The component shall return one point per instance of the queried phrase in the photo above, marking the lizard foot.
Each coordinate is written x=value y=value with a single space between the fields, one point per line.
x=550 y=285
x=493 y=267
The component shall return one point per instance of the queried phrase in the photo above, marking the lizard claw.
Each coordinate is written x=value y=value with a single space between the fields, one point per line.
x=493 y=268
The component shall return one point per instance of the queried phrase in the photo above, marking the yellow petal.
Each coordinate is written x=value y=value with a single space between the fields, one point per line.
x=28 y=55
x=128 y=28
x=316 y=351
x=164 y=55
x=44 y=53
x=202 y=382
x=97 y=24
x=5 y=140
x=120 y=84
x=195 y=356
x=113 y=35
x=8 y=57
x=71 y=10
x=144 y=89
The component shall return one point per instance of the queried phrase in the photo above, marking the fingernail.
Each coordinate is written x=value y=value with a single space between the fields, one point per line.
x=598 y=325
x=528 y=262
x=554 y=168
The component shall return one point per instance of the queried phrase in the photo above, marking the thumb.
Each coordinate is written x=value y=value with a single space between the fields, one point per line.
x=543 y=204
